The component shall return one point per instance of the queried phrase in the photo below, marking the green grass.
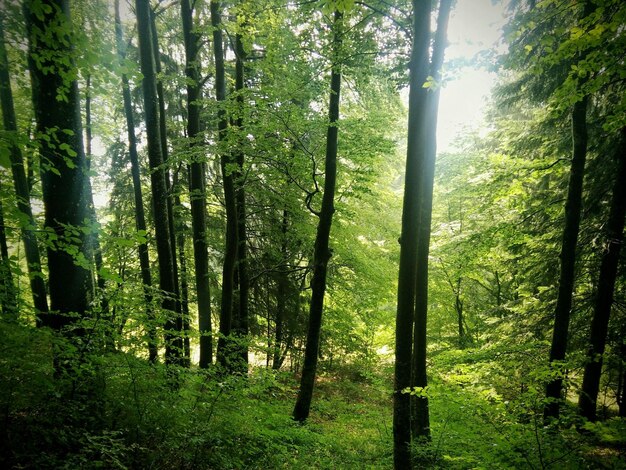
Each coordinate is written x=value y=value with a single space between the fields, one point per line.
x=135 y=418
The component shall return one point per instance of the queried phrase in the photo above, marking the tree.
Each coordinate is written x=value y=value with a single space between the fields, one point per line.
x=140 y=219
x=197 y=185
x=8 y=293
x=568 y=247
x=416 y=138
x=177 y=321
x=173 y=342
x=322 y=253
x=22 y=192
x=243 y=280
x=224 y=345
x=420 y=416
x=59 y=132
x=604 y=292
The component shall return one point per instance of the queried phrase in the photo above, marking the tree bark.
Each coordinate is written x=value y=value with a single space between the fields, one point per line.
x=568 y=254
x=173 y=344
x=22 y=191
x=197 y=185
x=177 y=321
x=573 y=205
x=322 y=252
x=604 y=295
x=140 y=219
x=62 y=157
x=224 y=345
x=8 y=293
x=181 y=234
x=417 y=134
x=242 y=237
x=420 y=415
x=621 y=393
x=281 y=293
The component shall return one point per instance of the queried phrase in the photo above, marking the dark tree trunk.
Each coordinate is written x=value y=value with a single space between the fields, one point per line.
x=281 y=294
x=8 y=293
x=156 y=51
x=458 y=306
x=568 y=254
x=240 y=199
x=420 y=415
x=173 y=343
x=22 y=191
x=604 y=294
x=573 y=205
x=64 y=195
x=140 y=219
x=417 y=134
x=181 y=234
x=621 y=393
x=197 y=184
x=224 y=345
x=322 y=252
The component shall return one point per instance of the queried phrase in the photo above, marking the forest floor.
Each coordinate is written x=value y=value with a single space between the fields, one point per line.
x=141 y=421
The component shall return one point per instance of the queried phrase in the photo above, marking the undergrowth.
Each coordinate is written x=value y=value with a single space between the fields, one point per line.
x=137 y=418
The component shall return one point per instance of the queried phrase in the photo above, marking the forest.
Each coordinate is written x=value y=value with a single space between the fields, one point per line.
x=229 y=238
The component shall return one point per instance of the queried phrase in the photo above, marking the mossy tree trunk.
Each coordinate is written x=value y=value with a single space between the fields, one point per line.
x=62 y=157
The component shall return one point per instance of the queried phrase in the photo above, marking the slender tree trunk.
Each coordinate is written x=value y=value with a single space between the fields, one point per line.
x=417 y=134
x=281 y=294
x=568 y=254
x=156 y=51
x=322 y=252
x=224 y=345
x=93 y=238
x=242 y=237
x=458 y=305
x=181 y=234
x=420 y=414
x=173 y=344
x=22 y=191
x=64 y=195
x=621 y=394
x=573 y=205
x=140 y=219
x=8 y=292
x=197 y=187
x=604 y=295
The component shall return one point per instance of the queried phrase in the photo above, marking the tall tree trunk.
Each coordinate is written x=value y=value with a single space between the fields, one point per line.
x=567 y=275
x=224 y=345
x=197 y=187
x=64 y=195
x=420 y=415
x=568 y=254
x=156 y=51
x=604 y=295
x=181 y=234
x=242 y=237
x=416 y=136
x=281 y=293
x=322 y=252
x=140 y=219
x=8 y=292
x=621 y=394
x=93 y=238
x=173 y=344
x=22 y=191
